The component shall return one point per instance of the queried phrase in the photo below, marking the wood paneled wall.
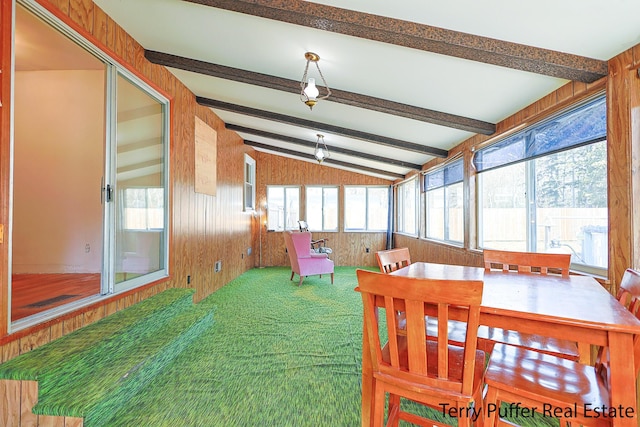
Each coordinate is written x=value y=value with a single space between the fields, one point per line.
x=623 y=157
x=348 y=248
x=204 y=228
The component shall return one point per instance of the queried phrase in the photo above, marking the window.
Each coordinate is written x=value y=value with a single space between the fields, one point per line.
x=366 y=208
x=407 y=198
x=143 y=208
x=283 y=208
x=249 y=183
x=322 y=208
x=444 y=219
x=545 y=189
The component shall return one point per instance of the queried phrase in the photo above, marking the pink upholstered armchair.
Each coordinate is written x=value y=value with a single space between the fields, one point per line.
x=304 y=261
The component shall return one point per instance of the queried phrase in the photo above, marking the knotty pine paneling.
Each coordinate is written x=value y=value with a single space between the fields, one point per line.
x=349 y=249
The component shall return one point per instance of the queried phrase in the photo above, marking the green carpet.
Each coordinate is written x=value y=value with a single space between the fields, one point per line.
x=275 y=354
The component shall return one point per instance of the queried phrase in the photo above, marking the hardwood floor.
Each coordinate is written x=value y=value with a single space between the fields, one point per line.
x=33 y=293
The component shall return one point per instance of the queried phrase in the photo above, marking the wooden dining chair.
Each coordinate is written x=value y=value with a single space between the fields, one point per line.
x=393 y=259
x=527 y=262
x=537 y=380
x=534 y=263
x=427 y=371
x=629 y=287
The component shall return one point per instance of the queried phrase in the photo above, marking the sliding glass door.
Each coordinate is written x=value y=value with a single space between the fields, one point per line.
x=140 y=178
x=90 y=161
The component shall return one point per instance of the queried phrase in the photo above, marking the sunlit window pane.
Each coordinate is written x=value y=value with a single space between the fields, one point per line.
x=366 y=208
x=283 y=208
x=322 y=208
x=503 y=208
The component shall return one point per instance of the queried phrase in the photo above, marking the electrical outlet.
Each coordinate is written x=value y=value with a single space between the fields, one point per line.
x=218 y=266
x=249 y=250
x=188 y=280
x=87 y=248
x=367 y=250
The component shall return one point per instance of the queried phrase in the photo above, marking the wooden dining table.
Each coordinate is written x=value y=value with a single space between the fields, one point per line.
x=575 y=308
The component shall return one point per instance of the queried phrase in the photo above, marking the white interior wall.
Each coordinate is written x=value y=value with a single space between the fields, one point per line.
x=58 y=166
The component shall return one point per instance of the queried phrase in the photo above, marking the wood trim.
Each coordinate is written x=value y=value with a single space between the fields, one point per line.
x=6 y=28
x=339 y=96
x=323 y=127
x=420 y=36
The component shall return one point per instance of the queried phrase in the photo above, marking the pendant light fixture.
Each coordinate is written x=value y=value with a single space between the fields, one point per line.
x=309 y=92
x=321 y=152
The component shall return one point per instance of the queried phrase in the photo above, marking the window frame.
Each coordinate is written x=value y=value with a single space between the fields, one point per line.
x=324 y=218
x=249 y=184
x=400 y=207
x=268 y=209
x=530 y=182
x=447 y=182
x=367 y=228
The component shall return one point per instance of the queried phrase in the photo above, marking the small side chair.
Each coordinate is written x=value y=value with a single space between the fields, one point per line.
x=393 y=259
x=304 y=261
x=427 y=371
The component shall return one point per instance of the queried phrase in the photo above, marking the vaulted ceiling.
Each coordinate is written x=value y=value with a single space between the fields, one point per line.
x=409 y=80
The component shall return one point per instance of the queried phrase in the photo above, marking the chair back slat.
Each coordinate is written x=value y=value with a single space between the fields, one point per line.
x=409 y=355
x=629 y=287
x=527 y=262
x=393 y=259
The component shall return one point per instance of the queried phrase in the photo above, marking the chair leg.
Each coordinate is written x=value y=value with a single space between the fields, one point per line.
x=491 y=408
x=292 y=273
x=393 y=419
x=332 y=278
x=378 y=407
x=301 y=279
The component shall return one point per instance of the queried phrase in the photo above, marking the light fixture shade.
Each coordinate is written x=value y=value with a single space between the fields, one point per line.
x=309 y=92
x=321 y=152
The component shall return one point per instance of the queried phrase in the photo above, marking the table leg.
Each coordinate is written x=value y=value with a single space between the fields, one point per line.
x=622 y=381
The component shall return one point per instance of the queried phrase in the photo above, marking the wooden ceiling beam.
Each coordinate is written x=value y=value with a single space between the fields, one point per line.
x=339 y=96
x=328 y=161
x=332 y=148
x=420 y=36
x=323 y=127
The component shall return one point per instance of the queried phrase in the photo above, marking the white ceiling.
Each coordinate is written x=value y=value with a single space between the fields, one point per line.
x=387 y=71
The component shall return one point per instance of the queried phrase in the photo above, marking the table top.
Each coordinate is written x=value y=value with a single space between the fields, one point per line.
x=574 y=300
